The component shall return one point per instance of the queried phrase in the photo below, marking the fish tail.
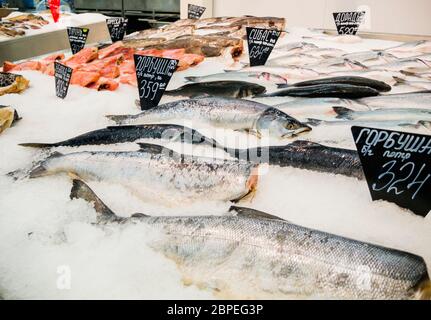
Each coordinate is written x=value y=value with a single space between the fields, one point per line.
x=82 y=191
x=40 y=169
x=343 y=113
x=423 y=290
x=118 y=119
x=37 y=145
x=399 y=81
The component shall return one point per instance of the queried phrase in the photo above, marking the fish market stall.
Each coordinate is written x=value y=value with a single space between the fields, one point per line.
x=244 y=182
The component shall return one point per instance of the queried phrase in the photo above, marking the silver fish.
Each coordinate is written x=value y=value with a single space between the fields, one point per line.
x=291 y=72
x=292 y=60
x=410 y=49
x=325 y=52
x=396 y=114
x=379 y=75
x=296 y=47
x=159 y=174
x=413 y=100
x=371 y=123
x=370 y=58
x=256 y=77
x=313 y=106
x=259 y=256
x=235 y=114
x=336 y=65
x=404 y=65
x=418 y=84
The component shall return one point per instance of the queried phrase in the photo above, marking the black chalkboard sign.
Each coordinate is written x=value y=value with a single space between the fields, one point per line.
x=260 y=44
x=195 y=12
x=77 y=38
x=348 y=22
x=154 y=74
x=62 y=75
x=397 y=166
x=117 y=28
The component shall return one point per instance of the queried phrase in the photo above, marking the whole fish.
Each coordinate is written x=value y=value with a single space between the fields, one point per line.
x=410 y=49
x=325 y=90
x=121 y=134
x=259 y=77
x=335 y=65
x=379 y=75
x=325 y=53
x=292 y=59
x=421 y=84
x=396 y=114
x=8 y=117
x=350 y=80
x=291 y=72
x=305 y=155
x=370 y=58
x=414 y=100
x=371 y=123
x=253 y=257
x=311 y=106
x=411 y=65
x=229 y=89
x=235 y=114
x=158 y=173
x=296 y=47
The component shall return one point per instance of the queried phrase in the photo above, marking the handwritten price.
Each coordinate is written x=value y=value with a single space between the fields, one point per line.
x=148 y=88
x=390 y=183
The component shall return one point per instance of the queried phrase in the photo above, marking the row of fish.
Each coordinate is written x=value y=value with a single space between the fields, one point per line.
x=17 y=25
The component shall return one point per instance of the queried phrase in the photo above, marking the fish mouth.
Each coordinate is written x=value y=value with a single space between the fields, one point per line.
x=297 y=132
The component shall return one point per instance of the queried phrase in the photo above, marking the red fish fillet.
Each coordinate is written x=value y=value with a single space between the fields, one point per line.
x=84 y=78
x=104 y=84
x=86 y=55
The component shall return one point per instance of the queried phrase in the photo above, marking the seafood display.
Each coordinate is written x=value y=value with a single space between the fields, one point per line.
x=247 y=177
x=268 y=246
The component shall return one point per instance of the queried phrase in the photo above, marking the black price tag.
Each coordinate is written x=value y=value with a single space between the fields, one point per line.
x=397 y=166
x=195 y=12
x=348 y=22
x=260 y=44
x=117 y=28
x=77 y=38
x=62 y=75
x=154 y=74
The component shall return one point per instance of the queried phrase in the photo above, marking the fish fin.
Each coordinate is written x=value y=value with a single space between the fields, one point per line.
x=118 y=119
x=399 y=81
x=424 y=123
x=191 y=79
x=82 y=191
x=408 y=73
x=282 y=85
x=156 y=149
x=139 y=215
x=343 y=113
x=423 y=289
x=37 y=145
x=251 y=185
x=252 y=213
x=313 y=122
x=40 y=170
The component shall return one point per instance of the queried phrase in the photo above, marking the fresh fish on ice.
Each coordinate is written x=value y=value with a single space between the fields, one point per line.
x=409 y=65
x=422 y=85
x=349 y=80
x=155 y=172
x=410 y=49
x=296 y=47
x=305 y=155
x=292 y=60
x=255 y=77
x=235 y=114
x=247 y=256
x=312 y=106
x=412 y=100
x=371 y=123
x=325 y=90
x=122 y=134
x=370 y=58
x=396 y=114
x=229 y=89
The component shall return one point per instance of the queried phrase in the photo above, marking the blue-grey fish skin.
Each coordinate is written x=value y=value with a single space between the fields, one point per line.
x=306 y=155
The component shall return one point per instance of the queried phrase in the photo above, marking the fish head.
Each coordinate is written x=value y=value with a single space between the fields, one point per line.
x=270 y=76
x=279 y=124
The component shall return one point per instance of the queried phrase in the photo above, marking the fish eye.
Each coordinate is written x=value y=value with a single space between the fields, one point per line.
x=290 y=126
